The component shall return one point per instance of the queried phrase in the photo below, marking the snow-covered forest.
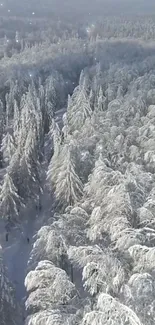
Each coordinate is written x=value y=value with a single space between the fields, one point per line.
x=77 y=163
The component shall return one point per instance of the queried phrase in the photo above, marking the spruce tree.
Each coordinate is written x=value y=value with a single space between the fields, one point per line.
x=8 y=147
x=68 y=186
x=10 y=202
x=79 y=107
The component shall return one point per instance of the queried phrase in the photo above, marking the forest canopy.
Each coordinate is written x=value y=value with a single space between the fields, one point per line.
x=77 y=163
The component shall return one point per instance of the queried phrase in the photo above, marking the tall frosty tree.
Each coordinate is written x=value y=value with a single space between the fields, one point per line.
x=13 y=95
x=55 y=135
x=2 y=126
x=16 y=121
x=25 y=163
x=79 y=107
x=31 y=117
x=54 y=149
x=101 y=101
x=10 y=202
x=50 y=99
x=95 y=186
x=8 y=109
x=8 y=147
x=30 y=169
x=67 y=184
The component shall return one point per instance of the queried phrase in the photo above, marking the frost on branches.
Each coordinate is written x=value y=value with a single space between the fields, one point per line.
x=110 y=311
x=52 y=297
x=10 y=202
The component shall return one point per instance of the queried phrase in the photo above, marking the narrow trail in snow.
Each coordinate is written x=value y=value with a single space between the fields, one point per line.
x=16 y=254
x=17 y=250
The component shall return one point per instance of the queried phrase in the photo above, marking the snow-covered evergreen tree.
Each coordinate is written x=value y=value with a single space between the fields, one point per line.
x=8 y=146
x=101 y=101
x=67 y=184
x=138 y=293
x=10 y=202
x=2 y=127
x=16 y=121
x=102 y=271
x=79 y=108
x=53 y=298
x=50 y=244
x=30 y=187
x=108 y=311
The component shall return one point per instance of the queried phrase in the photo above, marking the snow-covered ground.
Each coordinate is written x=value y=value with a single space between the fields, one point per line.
x=17 y=249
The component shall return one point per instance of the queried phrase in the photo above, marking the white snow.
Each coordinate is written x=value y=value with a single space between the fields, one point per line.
x=17 y=250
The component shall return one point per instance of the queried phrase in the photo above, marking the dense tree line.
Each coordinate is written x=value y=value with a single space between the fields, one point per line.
x=89 y=174
x=102 y=179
